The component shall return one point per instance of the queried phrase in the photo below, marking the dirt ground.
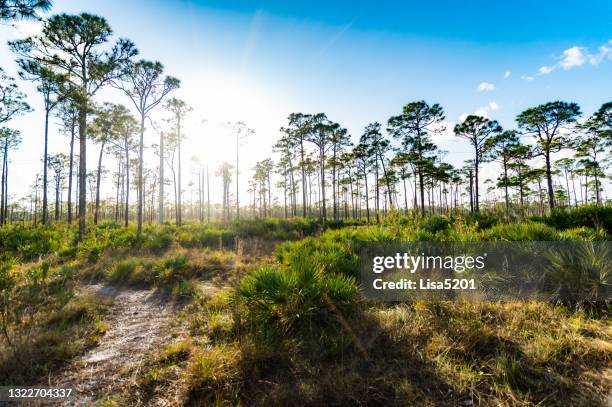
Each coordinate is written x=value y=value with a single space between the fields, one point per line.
x=137 y=323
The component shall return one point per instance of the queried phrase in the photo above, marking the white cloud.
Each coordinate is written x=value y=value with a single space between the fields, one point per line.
x=485 y=111
x=507 y=74
x=485 y=87
x=573 y=57
x=604 y=52
x=545 y=70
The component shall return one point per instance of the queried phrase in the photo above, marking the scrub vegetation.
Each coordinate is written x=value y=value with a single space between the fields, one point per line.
x=252 y=296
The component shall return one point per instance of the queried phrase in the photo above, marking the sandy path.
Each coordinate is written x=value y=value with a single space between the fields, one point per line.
x=138 y=322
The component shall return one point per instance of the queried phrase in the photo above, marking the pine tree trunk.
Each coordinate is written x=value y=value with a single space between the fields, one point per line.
x=82 y=168
x=98 y=179
x=71 y=171
x=45 y=214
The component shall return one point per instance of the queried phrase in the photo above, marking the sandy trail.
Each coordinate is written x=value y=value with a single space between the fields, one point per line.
x=138 y=322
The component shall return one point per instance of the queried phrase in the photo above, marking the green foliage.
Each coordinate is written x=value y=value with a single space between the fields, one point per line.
x=592 y=216
x=481 y=220
x=123 y=271
x=203 y=236
x=521 y=232
x=333 y=252
x=175 y=267
x=158 y=238
x=584 y=233
x=29 y=243
x=434 y=224
x=581 y=271
x=300 y=302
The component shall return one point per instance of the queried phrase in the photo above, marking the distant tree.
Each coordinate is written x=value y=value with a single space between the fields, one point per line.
x=601 y=122
x=567 y=165
x=68 y=115
x=590 y=148
x=519 y=168
x=241 y=131
x=593 y=142
x=9 y=139
x=107 y=126
x=319 y=134
x=262 y=177
x=413 y=127
x=51 y=88
x=346 y=167
x=546 y=123
x=142 y=82
x=162 y=152
x=283 y=169
x=477 y=130
x=12 y=100
x=297 y=133
x=400 y=163
x=179 y=109
x=170 y=141
x=22 y=9
x=70 y=46
x=57 y=164
x=363 y=161
x=468 y=172
x=124 y=127
x=267 y=166
x=442 y=176
x=536 y=175
x=12 y=104
x=376 y=146
x=502 y=148
x=285 y=147
x=339 y=140
x=225 y=172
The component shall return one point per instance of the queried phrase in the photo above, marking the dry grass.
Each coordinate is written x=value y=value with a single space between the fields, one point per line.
x=509 y=354
x=57 y=336
x=422 y=353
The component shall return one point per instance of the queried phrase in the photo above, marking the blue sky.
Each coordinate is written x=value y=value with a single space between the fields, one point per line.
x=356 y=61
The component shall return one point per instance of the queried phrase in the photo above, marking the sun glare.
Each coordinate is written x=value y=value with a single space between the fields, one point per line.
x=223 y=99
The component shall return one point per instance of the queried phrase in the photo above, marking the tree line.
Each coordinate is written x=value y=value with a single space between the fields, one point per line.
x=316 y=152
x=319 y=170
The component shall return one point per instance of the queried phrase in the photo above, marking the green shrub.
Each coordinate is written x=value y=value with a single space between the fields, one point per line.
x=333 y=252
x=581 y=271
x=531 y=231
x=300 y=302
x=176 y=265
x=123 y=271
x=67 y=252
x=158 y=238
x=584 y=233
x=435 y=224
x=94 y=252
x=185 y=289
x=592 y=216
x=30 y=242
x=202 y=236
x=482 y=220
